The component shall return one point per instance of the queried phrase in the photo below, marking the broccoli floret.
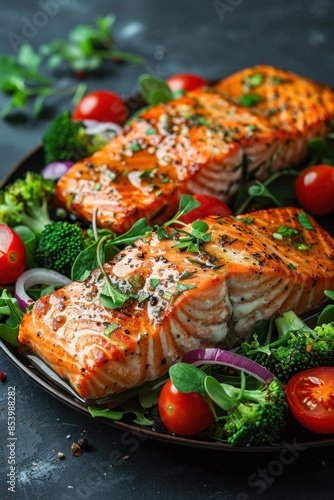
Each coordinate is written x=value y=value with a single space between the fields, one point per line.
x=59 y=244
x=256 y=417
x=65 y=139
x=25 y=202
x=297 y=347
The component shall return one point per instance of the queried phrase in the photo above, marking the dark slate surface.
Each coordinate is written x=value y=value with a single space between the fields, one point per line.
x=174 y=36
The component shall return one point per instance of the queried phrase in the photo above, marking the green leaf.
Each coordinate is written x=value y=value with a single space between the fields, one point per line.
x=149 y=398
x=28 y=58
x=329 y=294
x=9 y=67
x=304 y=221
x=154 y=90
x=118 y=415
x=182 y=287
x=110 y=328
x=260 y=190
x=253 y=80
x=112 y=297
x=10 y=318
x=200 y=226
x=321 y=150
x=154 y=282
x=187 y=378
x=217 y=393
x=326 y=315
x=140 y=228
x=85 y=263
x=249 y=100
x=104 y=25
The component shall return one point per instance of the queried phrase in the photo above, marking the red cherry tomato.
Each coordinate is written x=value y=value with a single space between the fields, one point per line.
x=13 y=255
x=186 y=82
x=314 y=189
x=101 y=105
x=310 y=395
x=184 y=414
x=209 y=205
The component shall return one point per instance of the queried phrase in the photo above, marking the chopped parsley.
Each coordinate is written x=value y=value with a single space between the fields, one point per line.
x=249 y=100
x=253 y=80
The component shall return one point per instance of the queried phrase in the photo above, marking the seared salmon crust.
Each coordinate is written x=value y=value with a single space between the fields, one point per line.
x=180 y=300
x=208 y=141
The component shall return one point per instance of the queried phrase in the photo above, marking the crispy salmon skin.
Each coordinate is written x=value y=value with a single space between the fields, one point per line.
x=179 y=300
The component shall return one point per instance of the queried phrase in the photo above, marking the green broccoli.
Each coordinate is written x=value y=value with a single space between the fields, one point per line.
x=25 y=202
x=253 y=417
x=296 y=348
x=65 y=139
x=59 y=244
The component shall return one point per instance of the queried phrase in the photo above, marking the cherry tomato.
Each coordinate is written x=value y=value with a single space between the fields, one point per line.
x=209 y=205
x=310 y=395
x=184 y=414
x=314 y=189
x=101 y=105
x=186 y=82
x=13 y=255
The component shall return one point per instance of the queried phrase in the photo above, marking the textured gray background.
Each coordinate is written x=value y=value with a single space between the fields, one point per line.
x=173 y=36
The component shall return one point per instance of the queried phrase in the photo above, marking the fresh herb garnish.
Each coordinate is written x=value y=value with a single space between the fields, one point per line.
x=253 y=80
x=182 y=287
x=139 y=419
x=260 y=194
x=154 y=282
x=186 y=274
x=154 y=90
x=10 y=318
x=110 y=328
x=304 y=221
x=247 y=220
x=21 y=79
x=249 y=100
x=87 y=47
x=322 y=150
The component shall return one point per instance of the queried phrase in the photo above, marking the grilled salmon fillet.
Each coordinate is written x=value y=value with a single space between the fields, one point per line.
x=203 y=142
x=290 y=102
x=252 y=267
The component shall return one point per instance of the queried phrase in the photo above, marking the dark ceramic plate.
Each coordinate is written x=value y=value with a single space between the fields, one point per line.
x=39 y=373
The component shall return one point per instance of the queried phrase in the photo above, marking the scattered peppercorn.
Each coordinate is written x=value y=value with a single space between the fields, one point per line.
x=61 y=455
x=83 y=443
x=76 y=450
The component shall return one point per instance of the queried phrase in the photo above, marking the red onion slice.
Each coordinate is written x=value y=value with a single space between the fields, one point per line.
x=37 y=276
x=217 y=356
x=56 y=169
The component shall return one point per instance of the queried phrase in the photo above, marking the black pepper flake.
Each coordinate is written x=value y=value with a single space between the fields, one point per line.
x=163 y=361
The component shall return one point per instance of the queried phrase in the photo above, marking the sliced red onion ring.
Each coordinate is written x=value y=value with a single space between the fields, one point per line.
x=56 y=169
x=216 y=356
x=37 y=276
x=95 y=127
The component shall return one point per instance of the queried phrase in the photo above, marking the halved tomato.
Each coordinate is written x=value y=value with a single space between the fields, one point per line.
x=310 y=395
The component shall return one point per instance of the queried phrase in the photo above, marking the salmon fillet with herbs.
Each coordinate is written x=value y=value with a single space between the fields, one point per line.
x=209 y=141
x=291 y=103
x=180 y=295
